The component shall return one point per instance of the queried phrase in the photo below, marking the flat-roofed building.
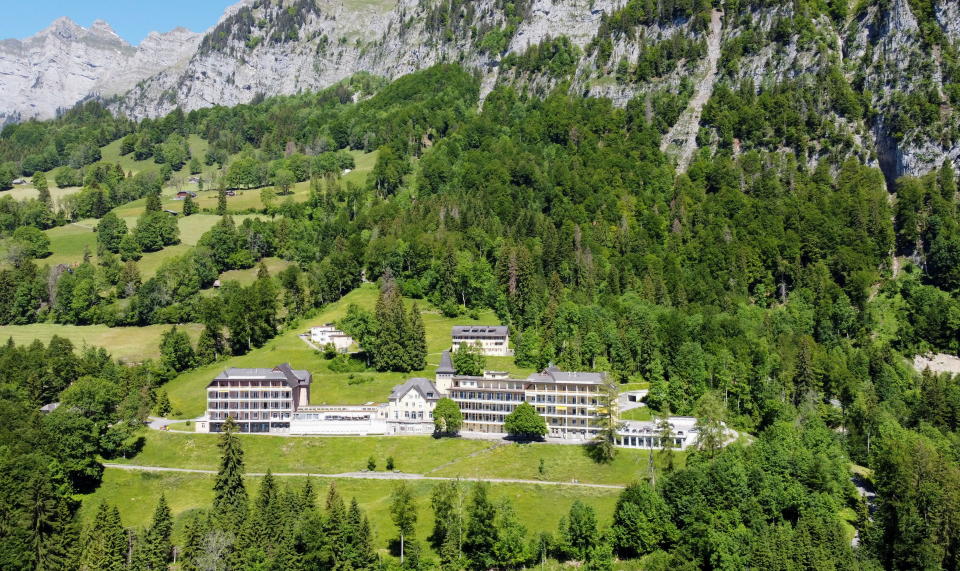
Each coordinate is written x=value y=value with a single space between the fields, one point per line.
x=569 y=402
x=364 y=419
x=486 y=400
x=493 y=340
x=322 y=335
x=648 y=434
x=259 y=400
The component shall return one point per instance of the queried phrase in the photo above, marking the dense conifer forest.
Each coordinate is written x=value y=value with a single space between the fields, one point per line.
x=784 y=296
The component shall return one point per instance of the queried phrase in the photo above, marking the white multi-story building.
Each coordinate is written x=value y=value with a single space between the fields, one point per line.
x=329 y=335
x=567 y=401
x=493 y=340
x=410 y=408
x=259 y=400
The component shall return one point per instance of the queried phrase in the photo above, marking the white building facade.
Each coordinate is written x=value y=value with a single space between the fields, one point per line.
x=329 y=335
x=493 y=340
x=259 y=400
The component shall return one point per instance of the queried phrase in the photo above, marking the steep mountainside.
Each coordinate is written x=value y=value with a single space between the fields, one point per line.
x=65 y=63
x=879 y=80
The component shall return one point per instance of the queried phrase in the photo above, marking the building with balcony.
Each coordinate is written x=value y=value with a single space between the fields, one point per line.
x=569 y=402
x=493 y=340
x=260 y=400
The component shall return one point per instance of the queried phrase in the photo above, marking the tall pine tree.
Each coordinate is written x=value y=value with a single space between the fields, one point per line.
x=229 y=491
x=156 y=548
x=105 y=543
x=416 y=341
x=391 y=344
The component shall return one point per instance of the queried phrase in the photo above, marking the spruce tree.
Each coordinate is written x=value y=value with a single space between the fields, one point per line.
x=509 y=551
x=481 y=536
x=229 y=491
x=262 y=307
x=335 y=527
x=390 y=346
x=222 y=200
x=105 y=543
x=263 y=527
x=153 y=202
x=157 y=547
x=416 y=341
x=359 y=552
x=195 y=534
x=403 y=510
x=189 y=206
x=448 y=526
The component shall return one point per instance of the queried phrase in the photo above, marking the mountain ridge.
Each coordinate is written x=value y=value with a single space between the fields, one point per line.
x=894 y=66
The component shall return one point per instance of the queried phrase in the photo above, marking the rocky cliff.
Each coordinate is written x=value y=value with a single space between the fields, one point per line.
x=65 y=63
x=897 y=57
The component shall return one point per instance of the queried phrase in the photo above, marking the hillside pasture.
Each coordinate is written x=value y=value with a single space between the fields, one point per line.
x=131 y=344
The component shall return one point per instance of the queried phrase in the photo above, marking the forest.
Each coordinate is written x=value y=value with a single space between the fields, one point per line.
x=795 y=296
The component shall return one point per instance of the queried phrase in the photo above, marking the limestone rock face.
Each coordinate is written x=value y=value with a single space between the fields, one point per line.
x=263 y=48
x=66 y=63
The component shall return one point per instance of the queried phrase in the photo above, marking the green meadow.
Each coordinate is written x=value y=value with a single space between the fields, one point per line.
x=135 y=493
x=131 y=344
x=187 y=394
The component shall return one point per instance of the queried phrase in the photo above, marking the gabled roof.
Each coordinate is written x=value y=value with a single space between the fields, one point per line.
x=421 y=385
x=480 y=330
x=446 y=365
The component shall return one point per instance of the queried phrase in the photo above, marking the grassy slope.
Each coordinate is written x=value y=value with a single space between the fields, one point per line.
x=333 y=455
x=128 y=343
x=249 y=275
x=136 y=493
x=26 y=191
x=187 y=391
x=453 y=458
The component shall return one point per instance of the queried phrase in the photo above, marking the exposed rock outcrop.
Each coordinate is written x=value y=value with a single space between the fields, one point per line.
x=284 y=47
x=65 y=63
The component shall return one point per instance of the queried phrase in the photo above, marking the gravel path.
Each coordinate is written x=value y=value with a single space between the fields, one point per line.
x=370 y=476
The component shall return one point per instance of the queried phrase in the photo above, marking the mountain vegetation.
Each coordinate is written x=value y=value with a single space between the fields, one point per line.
x=781 y=283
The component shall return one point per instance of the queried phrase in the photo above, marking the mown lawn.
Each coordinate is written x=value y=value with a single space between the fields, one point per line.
x=539 y=507
x=320 y=455
x=561 y=463
x=132 y=344
x=448 y=457
x=68 y=244
x=187 y=390
x=639 y=413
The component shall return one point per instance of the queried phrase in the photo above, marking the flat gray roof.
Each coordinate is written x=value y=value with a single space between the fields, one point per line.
x=480 y=330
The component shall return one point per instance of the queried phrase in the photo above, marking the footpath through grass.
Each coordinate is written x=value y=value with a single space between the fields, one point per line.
x=316 y=455
x=446 y=457
x=539 y=507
